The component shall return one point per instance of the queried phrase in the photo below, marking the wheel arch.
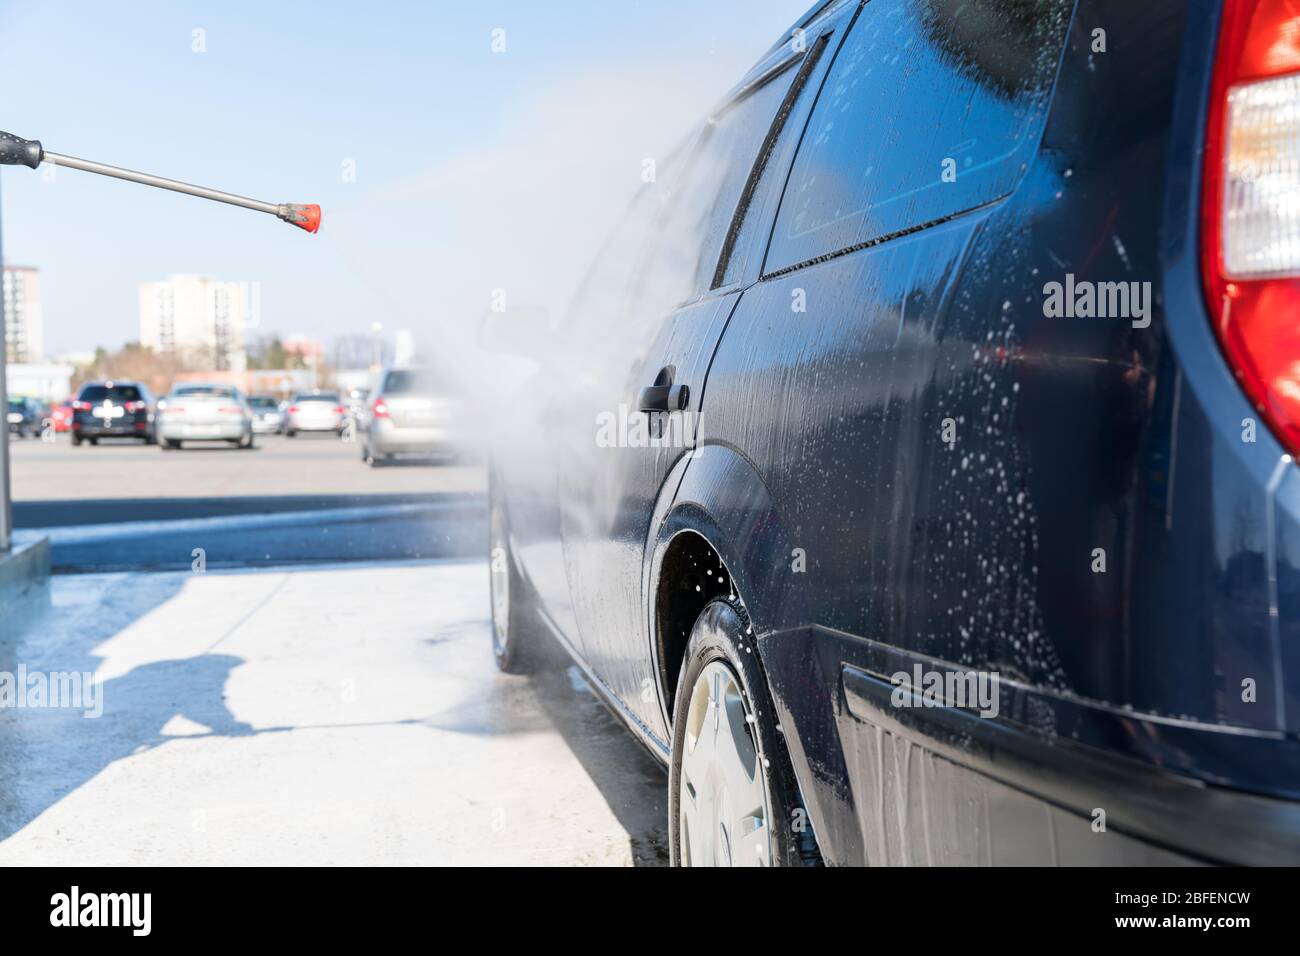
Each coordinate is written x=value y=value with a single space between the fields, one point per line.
x=715 y=508
x=716 y=500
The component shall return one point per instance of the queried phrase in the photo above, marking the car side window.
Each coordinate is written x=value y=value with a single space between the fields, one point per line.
x=923 y=115
x=702 y=203
x=772 y=163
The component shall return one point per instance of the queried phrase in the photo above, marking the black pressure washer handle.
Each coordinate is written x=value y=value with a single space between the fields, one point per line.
x=16 y=151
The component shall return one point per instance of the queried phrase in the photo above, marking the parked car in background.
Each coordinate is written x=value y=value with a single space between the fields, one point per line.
x=61 y=415
x=315 y=411
x=207 y=413
x=24 y=417
x=268 y=415
x=960 y=511
x=411 y=414
x=113 y=409
x=356 y=401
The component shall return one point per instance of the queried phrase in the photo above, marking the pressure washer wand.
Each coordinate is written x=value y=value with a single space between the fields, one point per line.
x=15 y=151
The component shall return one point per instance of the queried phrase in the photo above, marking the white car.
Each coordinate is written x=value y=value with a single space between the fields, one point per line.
x=315 y=412
x=197 y=412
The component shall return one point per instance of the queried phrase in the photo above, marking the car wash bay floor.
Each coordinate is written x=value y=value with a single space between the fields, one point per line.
x=331 y=714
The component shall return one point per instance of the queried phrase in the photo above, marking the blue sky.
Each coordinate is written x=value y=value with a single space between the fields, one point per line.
x=286 y=92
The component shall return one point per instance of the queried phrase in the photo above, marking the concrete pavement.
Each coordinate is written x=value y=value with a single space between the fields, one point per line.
x=337 y=714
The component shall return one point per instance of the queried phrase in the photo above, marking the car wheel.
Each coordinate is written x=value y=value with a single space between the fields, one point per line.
x=246 y=442
x=518 y=645
x=290 y=433
x=170 y=444
x=93 y=441
x=76 y=440
x=732 y=795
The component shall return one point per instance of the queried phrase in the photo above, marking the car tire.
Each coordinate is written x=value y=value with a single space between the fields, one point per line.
x=519 y=645
x=171 y=444
x=706 y=780
x=93 y=441
x=289 y=433
x=76 y=440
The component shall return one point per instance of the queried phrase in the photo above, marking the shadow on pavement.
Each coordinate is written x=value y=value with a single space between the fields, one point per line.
x=47 y=753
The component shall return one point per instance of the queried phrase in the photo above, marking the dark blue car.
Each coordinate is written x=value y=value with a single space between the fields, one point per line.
x=914 y=474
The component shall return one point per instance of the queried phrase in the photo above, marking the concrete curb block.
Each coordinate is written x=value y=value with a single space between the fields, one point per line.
x=24 y=574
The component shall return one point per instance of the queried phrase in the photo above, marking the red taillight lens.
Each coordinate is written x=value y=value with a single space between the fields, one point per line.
x=173 y=409
x=1250 y=217
x=293 y=409
x=379 y=409
x=81 y=406
x=135 y=406
x=230 y=410
x=340 y=410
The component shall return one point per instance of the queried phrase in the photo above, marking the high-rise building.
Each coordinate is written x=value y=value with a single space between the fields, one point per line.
x=24 y=330
x=197 y=318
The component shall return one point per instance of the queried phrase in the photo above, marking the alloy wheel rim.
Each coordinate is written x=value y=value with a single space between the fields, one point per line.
x=724 y=815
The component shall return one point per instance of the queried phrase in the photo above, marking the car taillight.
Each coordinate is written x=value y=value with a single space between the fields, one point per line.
x=293 y=409
x=173 y=409
x=1250 y=217
x=340 y=410
x=135 y=406
x=81 y=406
x=230 y=410
x=379 y=409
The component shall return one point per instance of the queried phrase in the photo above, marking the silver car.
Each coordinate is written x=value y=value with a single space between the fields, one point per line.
x=197 y=412
x=410 y=414
x=268 y=415
x=315 y=412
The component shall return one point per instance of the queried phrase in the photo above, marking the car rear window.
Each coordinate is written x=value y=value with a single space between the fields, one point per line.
x=204 y=391
x=331 y=397
x=413 y=381
x=924 y=114
x=117 y=393
x=263 y=402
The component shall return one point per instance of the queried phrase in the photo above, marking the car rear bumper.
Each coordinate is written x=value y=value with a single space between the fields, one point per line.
x=266 y=427
x=124 y=428
x=314 y=425
x=215 y=431
x=389 y=439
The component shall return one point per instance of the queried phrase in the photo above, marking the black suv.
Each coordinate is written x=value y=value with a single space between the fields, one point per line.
x=113 y=409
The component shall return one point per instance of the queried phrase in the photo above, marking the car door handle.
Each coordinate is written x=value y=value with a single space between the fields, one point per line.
x=664 y=398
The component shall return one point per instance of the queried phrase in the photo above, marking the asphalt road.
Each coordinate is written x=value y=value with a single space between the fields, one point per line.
x=310 y=499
